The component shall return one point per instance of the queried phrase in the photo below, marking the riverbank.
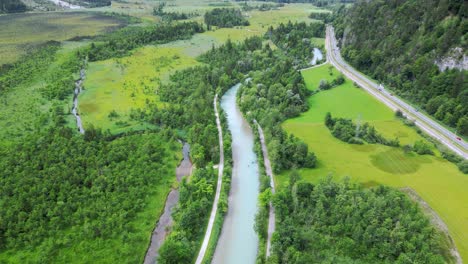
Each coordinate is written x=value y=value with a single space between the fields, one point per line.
x=78 y=89
x=214 y=209
x=269 y=173
x=238 y=242
x=165 y=222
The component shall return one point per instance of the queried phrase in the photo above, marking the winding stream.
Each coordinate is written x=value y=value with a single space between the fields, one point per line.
x=165 y=221
x=238 y=242
x=78 y=89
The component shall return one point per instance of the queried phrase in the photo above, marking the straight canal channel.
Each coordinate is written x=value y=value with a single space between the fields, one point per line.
x=238 y=242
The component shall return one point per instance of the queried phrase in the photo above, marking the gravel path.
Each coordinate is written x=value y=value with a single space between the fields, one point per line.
x=269 y=172
x=214 y=209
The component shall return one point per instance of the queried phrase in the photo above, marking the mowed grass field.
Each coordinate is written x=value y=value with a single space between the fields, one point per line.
x=20 y=32
x=436 y=180
x=127 y=83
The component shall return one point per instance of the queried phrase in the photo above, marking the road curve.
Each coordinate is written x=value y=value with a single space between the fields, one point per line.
x=429 y=126
x=269 y=172
x=214 y=209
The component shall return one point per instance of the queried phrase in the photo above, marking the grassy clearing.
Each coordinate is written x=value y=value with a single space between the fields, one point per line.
x=436 y=180
x=130 y=82
x=20 y=32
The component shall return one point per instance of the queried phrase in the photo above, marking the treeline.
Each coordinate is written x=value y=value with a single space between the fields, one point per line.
x=60 y=189
x=324 y=16
x=170 y=16
x=401 y=47
x=345 y=130
x=319 y=3
x=342 y=223
x=28 y=66
x=261 y=7
x=295 y=40
x=60 y=80
x=118 y=44
x=12 y=6
x=225 y=18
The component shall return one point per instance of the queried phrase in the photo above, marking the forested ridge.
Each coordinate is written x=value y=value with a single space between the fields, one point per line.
x=338 y=222
x=402 y=44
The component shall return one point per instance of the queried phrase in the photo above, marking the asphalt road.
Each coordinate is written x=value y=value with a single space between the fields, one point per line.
x=424 y=122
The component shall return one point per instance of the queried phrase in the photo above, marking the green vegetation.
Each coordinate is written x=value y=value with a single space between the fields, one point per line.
x=225 y=17
x=92 y=198
x=123 y=84
x=343 y=223
x=170 y=16
x=345 y=130
x=406 y=52
x=296 y=40
x=120 y=43
x=22 y=33
x=374 y=164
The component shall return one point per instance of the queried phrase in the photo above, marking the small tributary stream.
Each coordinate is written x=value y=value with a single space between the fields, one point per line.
x=165 y=221
x=78 y=89
x=238 y=242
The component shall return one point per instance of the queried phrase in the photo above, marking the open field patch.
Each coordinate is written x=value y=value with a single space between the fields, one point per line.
x=114 y=87
x=20 y=32
x=436 y=180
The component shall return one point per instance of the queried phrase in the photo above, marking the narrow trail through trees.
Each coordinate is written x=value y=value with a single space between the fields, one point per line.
x=214 y=209
x=269 y=172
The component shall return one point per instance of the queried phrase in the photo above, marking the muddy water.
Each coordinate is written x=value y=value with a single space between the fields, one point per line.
x=165 y=221
x=238 y=242
x=78 y=89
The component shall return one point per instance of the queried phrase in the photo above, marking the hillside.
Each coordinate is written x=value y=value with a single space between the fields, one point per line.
x=418 y=48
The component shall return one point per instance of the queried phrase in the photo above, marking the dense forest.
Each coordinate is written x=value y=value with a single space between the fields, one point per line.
x=225 y=18
x=335 y=222
x=12 y=6
x=408 y=45
x=57 y=184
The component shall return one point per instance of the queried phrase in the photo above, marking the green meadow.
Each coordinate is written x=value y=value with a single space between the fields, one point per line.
x=436 y=180
x=119 y=85
x=21 y=32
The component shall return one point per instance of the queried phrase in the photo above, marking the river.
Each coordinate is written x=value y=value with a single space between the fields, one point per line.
x=78 y=89
x=165 y=220
x=66 y=4
x=318 y=56
x=238 y=242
